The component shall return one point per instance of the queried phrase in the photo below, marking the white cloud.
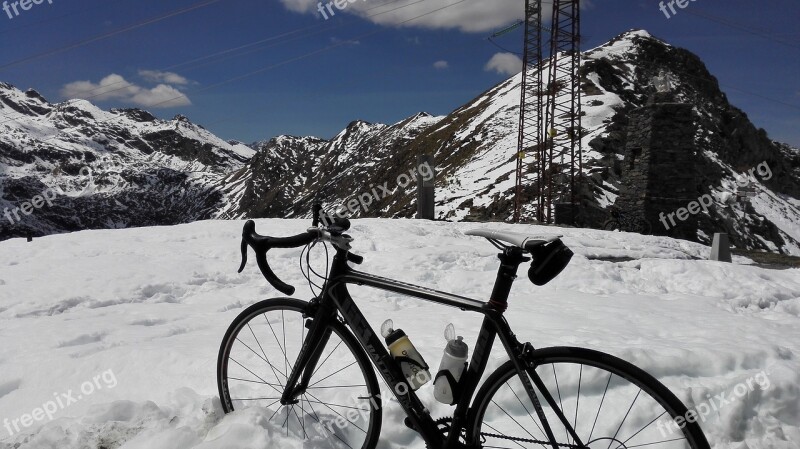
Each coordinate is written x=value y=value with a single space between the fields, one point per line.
x=440 y=65
x=161 y=96
x=300 y=5
x=504 y=64
x=472 y=16
x=116 y=87
x=156 y=76
x=112 y=86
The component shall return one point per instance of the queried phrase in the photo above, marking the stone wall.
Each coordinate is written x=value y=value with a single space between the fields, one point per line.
x=658 y=171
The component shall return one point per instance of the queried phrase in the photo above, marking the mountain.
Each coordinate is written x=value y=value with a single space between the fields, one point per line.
x=104 y=169
x=475 y=147
x=174 y=171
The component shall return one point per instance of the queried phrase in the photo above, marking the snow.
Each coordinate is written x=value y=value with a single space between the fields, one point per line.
x=142 y=311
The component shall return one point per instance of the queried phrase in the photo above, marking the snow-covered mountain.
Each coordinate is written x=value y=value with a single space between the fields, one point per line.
x=178 y=172
x=104 y=169
x=475 y=146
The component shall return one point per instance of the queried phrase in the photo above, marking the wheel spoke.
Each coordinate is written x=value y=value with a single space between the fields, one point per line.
x=264 y=358
x=601 y=406
x=640 y=430
x=334 y=411
x=336 y=386
x=623 y=427
x=316 y=418
x=326 y=358
x=286 y=349
x=657 y=442
x=560 y=404
x=332 y=374
x=577 y=401
x=526 y=410
x=255 y=382
x=234 y=361
x=285 y=358
x=513 y=419
x=623 y=419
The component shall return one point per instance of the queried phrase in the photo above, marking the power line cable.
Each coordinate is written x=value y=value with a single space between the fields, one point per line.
x=740 y=27
x=33 y=24
x=282 y=63
x=107 y=35
x=103 y=90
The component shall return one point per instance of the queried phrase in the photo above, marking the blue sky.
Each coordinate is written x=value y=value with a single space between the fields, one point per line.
x=351 y=66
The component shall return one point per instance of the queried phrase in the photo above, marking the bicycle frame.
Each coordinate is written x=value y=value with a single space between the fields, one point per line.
x=336 y=300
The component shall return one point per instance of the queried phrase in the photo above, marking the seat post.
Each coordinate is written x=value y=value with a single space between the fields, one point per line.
x=510 y=260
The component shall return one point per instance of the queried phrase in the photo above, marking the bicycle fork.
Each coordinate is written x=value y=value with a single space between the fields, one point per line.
x=319 y=333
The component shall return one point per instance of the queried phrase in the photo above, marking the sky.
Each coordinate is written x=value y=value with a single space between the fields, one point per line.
x=249 y=70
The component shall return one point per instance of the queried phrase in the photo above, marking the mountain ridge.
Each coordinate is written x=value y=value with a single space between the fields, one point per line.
x=474 y=146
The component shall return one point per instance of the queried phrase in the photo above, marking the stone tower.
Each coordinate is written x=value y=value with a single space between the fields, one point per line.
x=658 y=172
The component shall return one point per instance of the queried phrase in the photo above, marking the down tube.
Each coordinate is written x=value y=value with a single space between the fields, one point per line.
x=386 y=365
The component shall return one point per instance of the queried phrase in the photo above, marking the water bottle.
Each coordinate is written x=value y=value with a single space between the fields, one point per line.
x=411 y=362
x=452 y=367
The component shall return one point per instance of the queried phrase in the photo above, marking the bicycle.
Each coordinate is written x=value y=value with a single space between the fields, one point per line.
x=620 y=221
x=314 y=356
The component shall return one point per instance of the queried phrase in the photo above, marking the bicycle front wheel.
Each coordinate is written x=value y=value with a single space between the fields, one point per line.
x=608 y=402
x=340 y=408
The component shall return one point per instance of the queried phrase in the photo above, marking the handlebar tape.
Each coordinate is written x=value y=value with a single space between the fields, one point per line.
x=261 y=244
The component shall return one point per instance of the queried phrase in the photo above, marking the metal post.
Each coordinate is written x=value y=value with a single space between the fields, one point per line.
x=425 y=187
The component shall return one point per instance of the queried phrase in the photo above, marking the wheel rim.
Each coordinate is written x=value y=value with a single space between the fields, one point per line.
x=339 y=407
x=607 y=411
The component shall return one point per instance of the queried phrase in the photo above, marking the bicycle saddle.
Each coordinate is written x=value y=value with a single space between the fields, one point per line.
x=550 y=255
x=524 y=241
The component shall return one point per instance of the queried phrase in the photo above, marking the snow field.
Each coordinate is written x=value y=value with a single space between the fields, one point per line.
x=153 y=304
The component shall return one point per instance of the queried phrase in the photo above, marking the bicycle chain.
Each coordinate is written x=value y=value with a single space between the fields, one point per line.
x=443 y=423
x=528 y=440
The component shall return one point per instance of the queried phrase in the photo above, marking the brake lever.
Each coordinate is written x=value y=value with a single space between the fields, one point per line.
x=244 y=255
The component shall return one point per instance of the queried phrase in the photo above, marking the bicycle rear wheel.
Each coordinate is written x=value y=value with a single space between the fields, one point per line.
x=340 y=409
x=609 y=403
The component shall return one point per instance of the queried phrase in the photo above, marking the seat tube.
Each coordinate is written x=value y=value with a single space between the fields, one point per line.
x=510 y=260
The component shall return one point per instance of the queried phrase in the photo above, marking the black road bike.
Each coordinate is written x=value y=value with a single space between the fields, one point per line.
x=308 y=367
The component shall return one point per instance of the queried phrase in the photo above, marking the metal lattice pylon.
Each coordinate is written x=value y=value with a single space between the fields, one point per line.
x=531 y=109
x=551 y=131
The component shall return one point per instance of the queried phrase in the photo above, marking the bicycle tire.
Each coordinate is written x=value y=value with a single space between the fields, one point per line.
x=691 y=432
x=612 y=225
x=322 y=425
